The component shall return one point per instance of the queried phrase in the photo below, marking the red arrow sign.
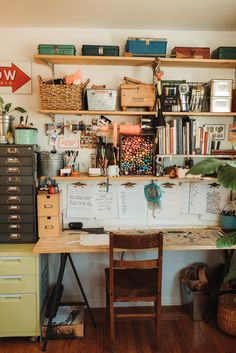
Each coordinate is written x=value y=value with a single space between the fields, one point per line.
x=13 y=77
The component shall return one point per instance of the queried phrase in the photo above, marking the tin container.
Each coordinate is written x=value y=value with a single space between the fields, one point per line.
x=6 y=128
x=101 y=99
x=100 y=50
x=220 y=104
x=26 y=136
x=146 y=46
x=50 y=163
x=56 y=49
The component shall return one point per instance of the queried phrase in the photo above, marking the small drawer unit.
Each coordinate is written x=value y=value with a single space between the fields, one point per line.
x=18 y=180
x=23 y=290
x=49 y=215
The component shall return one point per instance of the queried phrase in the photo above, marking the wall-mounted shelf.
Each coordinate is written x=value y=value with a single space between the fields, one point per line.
x=210 y=114
x=198 y=155
x=96 y=112
x=133 y=61
x=127 y=178
x=92 y=60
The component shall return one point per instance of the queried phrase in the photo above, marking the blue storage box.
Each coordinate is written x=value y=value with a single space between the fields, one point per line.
x=146 y=46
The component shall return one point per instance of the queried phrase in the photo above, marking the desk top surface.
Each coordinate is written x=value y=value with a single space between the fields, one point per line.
x=174 y=239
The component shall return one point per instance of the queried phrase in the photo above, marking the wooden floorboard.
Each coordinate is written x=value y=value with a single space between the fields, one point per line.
x=179 y=334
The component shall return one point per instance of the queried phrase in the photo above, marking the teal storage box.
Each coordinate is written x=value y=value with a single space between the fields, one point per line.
x=56 y=49
x=224 y=53
x=100 y=50
x=146 y=46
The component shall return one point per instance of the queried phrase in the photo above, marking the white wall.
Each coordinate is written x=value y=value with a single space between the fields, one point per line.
x=21 y=44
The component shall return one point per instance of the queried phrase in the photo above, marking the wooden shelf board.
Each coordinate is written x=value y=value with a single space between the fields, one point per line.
x=126 y=178
x=198 y=63
x=133 y=61
x=93 y=60
x=198 y=114
x=97 y=112
x=199 y=155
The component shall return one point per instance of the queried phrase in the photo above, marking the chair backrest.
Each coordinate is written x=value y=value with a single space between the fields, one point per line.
x=136 y=240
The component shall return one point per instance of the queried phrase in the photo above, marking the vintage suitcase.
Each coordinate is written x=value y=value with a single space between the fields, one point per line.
x=146 y=46
x=191 y=52
x=56 y=49
x=137 y=94
x=224 y=53
x=100 y=50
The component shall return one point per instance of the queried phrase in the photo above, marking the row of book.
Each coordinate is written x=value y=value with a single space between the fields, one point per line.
x=184 y=136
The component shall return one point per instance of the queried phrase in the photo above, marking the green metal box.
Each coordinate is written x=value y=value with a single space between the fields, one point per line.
x=224 y=53
x=56 y=49
x=100 y=50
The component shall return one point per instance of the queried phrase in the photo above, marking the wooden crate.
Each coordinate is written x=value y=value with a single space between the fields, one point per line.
x=137 y=94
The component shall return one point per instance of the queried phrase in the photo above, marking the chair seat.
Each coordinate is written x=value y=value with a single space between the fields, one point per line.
x=131 y=284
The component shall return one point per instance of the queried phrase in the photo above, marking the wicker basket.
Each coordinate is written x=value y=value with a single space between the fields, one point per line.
x=61 y=97
x=226 y=316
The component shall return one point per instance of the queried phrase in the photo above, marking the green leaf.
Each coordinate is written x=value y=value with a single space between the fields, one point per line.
x=231 y=274
x=1 y=101
x=227 y=176
x=226 y=240
x=7 y=107
x=207 y=166
x=19 y=109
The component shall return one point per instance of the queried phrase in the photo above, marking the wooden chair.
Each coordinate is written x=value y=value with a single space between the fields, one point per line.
x=134 y=280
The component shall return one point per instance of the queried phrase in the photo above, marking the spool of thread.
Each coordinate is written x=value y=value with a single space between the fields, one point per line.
x=130 y=129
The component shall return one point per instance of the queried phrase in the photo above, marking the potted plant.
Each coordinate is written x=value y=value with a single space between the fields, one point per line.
x=6 y=135
x=225 y=171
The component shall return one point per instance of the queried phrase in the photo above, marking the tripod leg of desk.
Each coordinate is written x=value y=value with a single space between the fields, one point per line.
x=82 y=290
x=55 y=299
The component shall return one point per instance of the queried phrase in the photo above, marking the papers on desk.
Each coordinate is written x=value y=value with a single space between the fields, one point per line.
x=94 y=239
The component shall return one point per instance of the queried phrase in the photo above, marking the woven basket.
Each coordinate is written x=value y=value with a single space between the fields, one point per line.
x=61 y=97
x=226 y=316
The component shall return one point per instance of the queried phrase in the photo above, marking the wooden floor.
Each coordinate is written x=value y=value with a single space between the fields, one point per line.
x=179 y=334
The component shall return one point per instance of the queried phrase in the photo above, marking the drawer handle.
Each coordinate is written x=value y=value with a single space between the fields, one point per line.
x=11 y=199
x=10 y=298
x=14 y=226
x=14 y=217
x=14 y=208
x=12 y=180
x=12 y=161
x=10 y=258
x=8 y=279
x=13 y=170
x=13 y=189
x=49 y=227
x=15 y=236
x=48 y=206
x=13 y=150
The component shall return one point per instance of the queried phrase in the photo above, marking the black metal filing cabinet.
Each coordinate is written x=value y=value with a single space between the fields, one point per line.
x=18 y=181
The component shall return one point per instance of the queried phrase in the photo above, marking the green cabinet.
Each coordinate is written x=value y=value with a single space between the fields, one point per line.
x=23 y=290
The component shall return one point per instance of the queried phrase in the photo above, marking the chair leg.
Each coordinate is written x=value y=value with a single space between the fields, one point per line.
x=158 y=318
x=112 y=324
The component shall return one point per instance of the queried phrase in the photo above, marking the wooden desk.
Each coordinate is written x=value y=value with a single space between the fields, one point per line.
x=174 y=239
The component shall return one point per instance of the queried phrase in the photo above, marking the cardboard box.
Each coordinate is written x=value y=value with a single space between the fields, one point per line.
x=49 y=226
x=68 y=323
x=48 y=204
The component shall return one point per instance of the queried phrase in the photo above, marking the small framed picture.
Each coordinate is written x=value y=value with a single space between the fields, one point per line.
x=215 y=131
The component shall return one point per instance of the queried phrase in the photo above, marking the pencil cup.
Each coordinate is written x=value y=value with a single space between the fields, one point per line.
x=113 y=171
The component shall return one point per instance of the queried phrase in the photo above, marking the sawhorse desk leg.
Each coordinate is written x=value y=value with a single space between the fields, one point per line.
x=56 y=296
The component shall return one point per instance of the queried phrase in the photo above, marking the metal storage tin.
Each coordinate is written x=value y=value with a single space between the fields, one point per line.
x=146 y=46
x=101 y=99
x=100 y=50
x=56 y=49
x=224 y=53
